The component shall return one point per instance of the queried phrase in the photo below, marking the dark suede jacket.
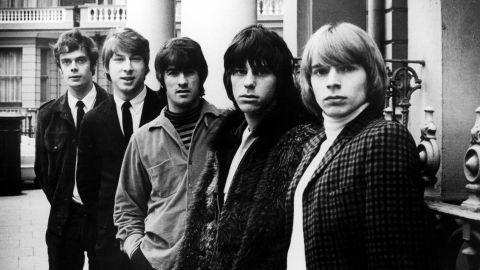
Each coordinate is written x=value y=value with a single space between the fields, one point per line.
x=55 y=156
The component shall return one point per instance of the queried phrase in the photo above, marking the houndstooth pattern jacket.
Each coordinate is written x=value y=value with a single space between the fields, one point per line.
x=364 y=208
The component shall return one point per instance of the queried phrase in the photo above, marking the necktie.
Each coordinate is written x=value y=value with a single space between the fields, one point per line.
x=80 y=113
x=127 y=120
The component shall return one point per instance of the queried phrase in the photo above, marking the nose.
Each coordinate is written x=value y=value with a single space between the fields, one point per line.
x=249 y=81
x=333 y=79
x=182 y=80
x=74 y=66
x=127 y=65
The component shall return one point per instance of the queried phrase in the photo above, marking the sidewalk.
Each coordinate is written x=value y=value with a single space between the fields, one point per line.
x=23 y=222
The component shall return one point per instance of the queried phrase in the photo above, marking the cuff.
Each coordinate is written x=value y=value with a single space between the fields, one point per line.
x=132 y=243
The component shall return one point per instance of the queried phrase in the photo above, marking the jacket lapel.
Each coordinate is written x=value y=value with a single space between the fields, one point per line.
x=151 y=107
x=64 y=111
x=111 y=124
x=350 y=131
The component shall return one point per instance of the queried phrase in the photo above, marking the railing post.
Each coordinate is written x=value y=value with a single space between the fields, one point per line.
x=472 y=168
x=429 y=153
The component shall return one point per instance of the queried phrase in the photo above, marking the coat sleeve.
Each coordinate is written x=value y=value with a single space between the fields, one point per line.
x=131 y=198
x=41 y=157
x=88 y=168
x=398 y=224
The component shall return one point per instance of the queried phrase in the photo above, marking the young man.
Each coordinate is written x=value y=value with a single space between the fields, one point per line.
x=69 y=233
x=106 y=132
x=236 y=220
x=156 y=183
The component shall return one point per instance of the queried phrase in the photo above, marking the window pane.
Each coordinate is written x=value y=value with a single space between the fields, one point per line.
x=10 y=75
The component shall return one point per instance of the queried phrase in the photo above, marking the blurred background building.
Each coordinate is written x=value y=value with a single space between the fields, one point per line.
x=432 y=49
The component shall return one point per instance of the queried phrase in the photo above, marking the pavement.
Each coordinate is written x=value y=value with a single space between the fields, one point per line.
x=23 y=223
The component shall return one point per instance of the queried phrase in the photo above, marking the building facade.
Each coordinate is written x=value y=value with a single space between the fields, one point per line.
x=431 y=48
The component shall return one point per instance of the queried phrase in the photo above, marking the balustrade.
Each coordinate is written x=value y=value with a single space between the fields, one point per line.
x=32 y=15
x=107 y=14
x=270 y=7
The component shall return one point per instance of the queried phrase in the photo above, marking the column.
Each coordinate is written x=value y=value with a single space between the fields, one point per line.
x=155 y=20
x=213 y=24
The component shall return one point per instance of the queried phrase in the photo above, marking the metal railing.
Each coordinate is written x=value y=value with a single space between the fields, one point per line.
x=27 y=123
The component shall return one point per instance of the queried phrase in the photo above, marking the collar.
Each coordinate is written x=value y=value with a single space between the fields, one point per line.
x=207 y=108
x=334 y=126
x=88 y=100
x=136 y=102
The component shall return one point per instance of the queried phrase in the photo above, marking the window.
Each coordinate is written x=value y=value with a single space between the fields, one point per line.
x=49 y=76
x=10 y=75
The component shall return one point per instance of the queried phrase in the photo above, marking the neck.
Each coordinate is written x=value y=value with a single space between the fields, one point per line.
x=178 y=109
x=255 y=118
x=130 y=94
x=80 y=92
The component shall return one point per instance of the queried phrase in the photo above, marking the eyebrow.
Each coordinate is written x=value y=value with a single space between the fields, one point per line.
x=317 y=66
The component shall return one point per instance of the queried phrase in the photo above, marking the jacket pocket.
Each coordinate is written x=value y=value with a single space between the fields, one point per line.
x=54 y=142
x=167 y=177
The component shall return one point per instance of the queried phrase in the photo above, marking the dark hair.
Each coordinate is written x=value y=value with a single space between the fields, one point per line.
x=262 y=48
x=126 y=40
x=73 y=40
x=183 y=53
x=344 y=43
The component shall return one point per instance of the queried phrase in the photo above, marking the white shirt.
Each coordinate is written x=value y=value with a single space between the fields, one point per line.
x=135 y=109
x=296 y=252
x=88 y=101
x=247 y=140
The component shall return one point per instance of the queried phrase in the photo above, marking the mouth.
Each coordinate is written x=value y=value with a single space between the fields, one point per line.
x=183 y=92
x=128 y=78
x=75 y=77
x=335 y=98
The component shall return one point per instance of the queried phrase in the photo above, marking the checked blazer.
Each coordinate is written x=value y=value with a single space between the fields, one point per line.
x=364 y=208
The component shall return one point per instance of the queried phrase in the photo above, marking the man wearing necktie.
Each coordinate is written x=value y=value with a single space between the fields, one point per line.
x=69 y=232
x=106 y=131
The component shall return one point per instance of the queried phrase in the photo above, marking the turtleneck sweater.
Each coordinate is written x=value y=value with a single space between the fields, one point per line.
x=184 y=123
x=333 y=126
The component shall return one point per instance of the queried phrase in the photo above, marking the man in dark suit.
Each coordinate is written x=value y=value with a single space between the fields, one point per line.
x=106 y=132
x=69 y=232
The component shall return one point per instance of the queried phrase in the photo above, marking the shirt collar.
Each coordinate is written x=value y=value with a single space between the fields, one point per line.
x=88 y=100
x=136 y=102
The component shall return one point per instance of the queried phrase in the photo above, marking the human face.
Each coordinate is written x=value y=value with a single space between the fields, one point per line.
x=253 y=89
x=183 y=89
x=127 y=72
x=339 y=90
x=76 y=71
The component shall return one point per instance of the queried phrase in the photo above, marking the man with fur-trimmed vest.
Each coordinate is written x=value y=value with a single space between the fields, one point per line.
x=236 y=220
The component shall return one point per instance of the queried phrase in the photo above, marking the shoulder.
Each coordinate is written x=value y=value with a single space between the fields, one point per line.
x=46 y=109
x=382 y=128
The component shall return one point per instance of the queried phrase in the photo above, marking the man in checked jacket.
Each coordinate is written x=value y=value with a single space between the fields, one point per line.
x=356 y=201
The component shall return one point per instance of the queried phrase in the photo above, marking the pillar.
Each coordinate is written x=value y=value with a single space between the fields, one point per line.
x=376 y=21
x=297 y=24
x=155 y=20
x=213 y=24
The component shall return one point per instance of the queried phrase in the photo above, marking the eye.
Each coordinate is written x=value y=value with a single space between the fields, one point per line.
x=65 y=62
x=172 y=72
x=118 y=58
x=136 y=58
x=320 y=71
x=262 y=72
x=239 y=72
x=81 y=60
x=346 y=68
